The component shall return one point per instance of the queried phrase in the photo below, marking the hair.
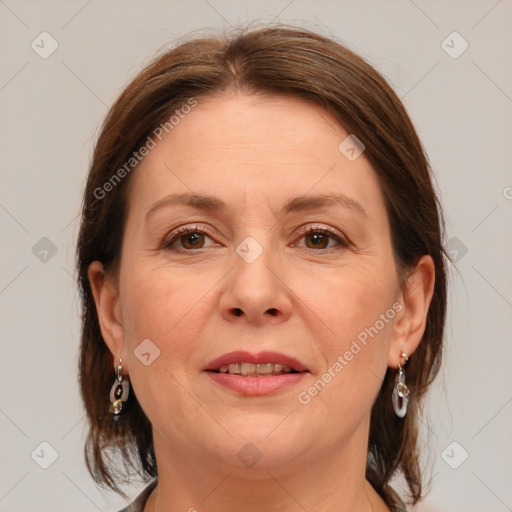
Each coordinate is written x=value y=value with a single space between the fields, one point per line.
x=273 y=60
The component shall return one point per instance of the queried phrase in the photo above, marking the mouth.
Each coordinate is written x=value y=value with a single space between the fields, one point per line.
x=255 y=370
x=256 y=374
x=264 y=364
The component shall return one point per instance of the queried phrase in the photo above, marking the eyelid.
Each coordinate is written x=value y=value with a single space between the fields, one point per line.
x=176 y=233
x=340 y=238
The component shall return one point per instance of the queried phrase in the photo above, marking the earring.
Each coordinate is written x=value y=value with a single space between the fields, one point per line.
x=400 y=390
x=119 y=392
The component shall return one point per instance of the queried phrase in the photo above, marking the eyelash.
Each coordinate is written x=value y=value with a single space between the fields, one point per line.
x=309 y=230
x=334 y=234
x=180 y=232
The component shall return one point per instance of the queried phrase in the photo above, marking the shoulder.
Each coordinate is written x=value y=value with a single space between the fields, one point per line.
x=137 y=505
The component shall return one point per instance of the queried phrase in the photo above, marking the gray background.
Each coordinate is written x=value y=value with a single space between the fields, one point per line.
x=52 y=108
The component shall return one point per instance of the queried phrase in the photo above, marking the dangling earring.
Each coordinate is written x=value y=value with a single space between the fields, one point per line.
x=119 y=392
x=400 y=390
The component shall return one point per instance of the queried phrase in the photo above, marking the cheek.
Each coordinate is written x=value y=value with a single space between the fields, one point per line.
x=346 y=303
x=165 y=308
x=158 y=302
x=357 y=317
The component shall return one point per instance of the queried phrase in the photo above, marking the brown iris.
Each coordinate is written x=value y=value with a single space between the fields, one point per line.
x=192 y=240
x=319 y=240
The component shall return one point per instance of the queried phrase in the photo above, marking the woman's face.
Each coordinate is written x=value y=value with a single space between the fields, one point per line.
x=249 y=230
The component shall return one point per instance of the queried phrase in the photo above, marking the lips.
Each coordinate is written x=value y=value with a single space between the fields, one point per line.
x=263 y=358
x=249 y=374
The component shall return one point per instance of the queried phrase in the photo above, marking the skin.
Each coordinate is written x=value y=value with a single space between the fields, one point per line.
x=307 y=300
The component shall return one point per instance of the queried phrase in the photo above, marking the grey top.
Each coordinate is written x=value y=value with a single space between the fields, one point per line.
x=138 y=504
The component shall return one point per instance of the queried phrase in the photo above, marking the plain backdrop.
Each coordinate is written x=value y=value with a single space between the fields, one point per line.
x=450 y=63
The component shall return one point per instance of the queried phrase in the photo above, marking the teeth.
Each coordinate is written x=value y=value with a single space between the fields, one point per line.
x=234 y=368
x=255 y=369
x=263 y=369
x=248 y=369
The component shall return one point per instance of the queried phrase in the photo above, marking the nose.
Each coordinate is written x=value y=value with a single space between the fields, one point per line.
x=256 y=293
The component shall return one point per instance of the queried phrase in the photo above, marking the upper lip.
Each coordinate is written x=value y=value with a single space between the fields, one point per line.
x=242 y=356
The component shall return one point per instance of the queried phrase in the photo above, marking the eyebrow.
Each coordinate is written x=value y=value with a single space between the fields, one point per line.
x=297 y=204
x=304 y=203
x=205 y=203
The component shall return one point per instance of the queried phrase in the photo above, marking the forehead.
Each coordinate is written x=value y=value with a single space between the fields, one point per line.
x=250 y=145
x=236 y=122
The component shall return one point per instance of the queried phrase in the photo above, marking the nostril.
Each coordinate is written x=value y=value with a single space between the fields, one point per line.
x=271 y=311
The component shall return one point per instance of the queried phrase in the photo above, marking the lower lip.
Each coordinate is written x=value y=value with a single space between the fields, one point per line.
x=256 y=386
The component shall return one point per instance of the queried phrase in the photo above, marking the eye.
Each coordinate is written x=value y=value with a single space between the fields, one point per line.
x=186 y=239
x=317 y=237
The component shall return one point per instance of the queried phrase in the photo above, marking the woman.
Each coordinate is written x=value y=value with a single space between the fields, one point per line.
x=263 y=281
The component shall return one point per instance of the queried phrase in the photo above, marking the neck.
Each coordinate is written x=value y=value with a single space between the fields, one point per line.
x=189 y=480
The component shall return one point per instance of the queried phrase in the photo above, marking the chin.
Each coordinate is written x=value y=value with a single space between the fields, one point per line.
x=264 y=448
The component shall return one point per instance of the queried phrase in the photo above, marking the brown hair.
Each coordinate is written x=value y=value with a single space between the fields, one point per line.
x=272 y=60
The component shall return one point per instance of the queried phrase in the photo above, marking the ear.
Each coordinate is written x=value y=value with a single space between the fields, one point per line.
x=106 y=298
x=415 y=298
